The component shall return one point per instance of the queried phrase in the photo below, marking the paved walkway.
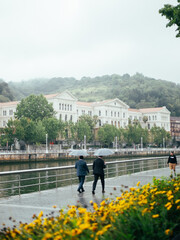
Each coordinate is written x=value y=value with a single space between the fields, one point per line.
x=22 y=208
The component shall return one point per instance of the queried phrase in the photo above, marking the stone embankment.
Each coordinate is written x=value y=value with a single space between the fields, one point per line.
x=21 y=156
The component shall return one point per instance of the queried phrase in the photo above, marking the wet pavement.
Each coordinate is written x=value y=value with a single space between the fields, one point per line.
x=21 y=208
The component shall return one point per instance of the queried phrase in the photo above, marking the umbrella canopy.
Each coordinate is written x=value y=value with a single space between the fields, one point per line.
x=103 y=152
x=78 y=152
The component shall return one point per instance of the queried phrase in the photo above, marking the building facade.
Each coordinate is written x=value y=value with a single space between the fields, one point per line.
x=175 y=129
x=113 y=111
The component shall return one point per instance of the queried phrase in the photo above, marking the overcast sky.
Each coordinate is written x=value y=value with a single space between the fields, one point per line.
x=76 y=38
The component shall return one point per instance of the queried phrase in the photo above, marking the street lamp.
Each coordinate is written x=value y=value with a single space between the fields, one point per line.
x=163 y=143
x=141 y=143
x=46 y=143
x=85 y=142
x=116 y=143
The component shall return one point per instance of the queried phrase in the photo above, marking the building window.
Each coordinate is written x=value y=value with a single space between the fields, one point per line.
x=124 y=115
x=71 y=118
x=111 y=113
x=90 y=113
x=11 y=112
x=118 y=124
x=77 y=111
x=155 y=117
x=106 y=112
x=66 y=117
x=65 y=107
x=111 y=122
x=70 y=107
x=118 y=114
x=4 y=112
x=4 y=123
x=60 y=116
x=99 y=113
x=149 y=118
x=59 y=106
x=83 y=112
x=62 y=106
x=100 y=123
x=149 y=126
x=115 y=114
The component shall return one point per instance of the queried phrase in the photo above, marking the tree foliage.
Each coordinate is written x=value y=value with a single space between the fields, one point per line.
x=172 y=13
x=35 y=108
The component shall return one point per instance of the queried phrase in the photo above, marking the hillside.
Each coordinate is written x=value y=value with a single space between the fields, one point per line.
x=6 y=94
x=137 y=91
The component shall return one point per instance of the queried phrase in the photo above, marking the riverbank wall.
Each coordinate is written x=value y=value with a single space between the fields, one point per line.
x=55 y=156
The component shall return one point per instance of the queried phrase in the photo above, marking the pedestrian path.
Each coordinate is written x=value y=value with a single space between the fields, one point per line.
x=21 y=208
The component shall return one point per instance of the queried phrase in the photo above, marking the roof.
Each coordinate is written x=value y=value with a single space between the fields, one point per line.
x=51 y=95
x=146 y=110
x=133 y=110
x=4 y=104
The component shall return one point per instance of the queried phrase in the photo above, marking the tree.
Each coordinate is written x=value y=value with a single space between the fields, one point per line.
x=172 y=13
x=91 y=121
x=158 y=134
x=106 y=134
x=83 y=129
x=52 y=127
x=35 y=108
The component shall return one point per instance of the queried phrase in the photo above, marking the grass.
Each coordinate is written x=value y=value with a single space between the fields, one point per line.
x=145 y=212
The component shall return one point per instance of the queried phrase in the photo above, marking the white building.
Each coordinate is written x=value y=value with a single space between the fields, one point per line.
x=114 y=111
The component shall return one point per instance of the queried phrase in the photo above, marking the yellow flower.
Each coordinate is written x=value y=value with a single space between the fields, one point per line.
x=138 y=184
x=168 y=232
x=177 y=201
x=178 y=207
x=76 y=231
x=170 y=197
x=47 y=236
x=155 y=216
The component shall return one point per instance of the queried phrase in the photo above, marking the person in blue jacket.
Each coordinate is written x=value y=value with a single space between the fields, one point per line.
x=82 y=170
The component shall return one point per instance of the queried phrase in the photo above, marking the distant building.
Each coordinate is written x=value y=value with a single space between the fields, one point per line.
x=113 y=111
x=159 y=117
x=175 y=129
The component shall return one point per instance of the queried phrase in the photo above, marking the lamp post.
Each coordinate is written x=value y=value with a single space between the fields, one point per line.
x=116 y=143
x=46 y=143
x=141 y=143
x=85 y=142
x=163 y=143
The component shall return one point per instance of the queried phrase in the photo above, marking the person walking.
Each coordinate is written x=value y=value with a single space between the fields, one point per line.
x=82 y=170
x=172 y=161
x=98 y=171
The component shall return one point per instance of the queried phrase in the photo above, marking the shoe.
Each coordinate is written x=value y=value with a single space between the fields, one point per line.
x=79 y=191
x=83 y=190
x=93 y=192
x=103 y=191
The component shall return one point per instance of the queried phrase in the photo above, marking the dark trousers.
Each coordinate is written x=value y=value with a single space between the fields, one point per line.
x=81 y=182
x=96 y=177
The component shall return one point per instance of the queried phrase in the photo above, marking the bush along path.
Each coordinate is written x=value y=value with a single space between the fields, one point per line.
x=146 y=212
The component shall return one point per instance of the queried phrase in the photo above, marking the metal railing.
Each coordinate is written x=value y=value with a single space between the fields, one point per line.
x=55 y=150
x=32 y=180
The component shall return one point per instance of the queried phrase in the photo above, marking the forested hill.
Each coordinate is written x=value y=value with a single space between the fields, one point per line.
x=6 y=94
x=137 y=91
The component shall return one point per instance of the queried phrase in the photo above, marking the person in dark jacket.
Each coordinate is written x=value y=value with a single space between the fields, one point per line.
x=98 y=171
x=82 y=170
x=172 y=161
